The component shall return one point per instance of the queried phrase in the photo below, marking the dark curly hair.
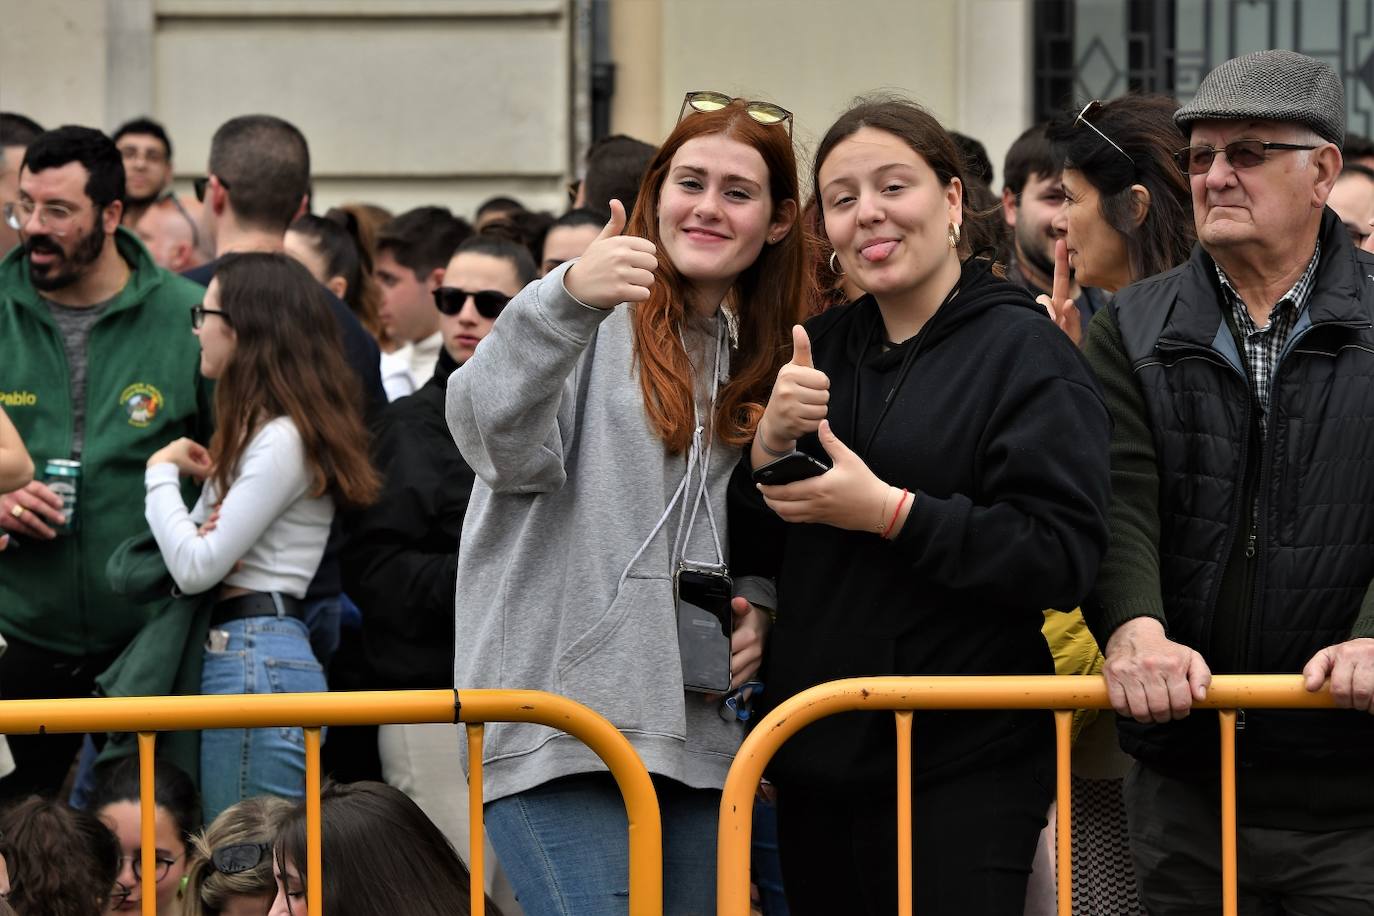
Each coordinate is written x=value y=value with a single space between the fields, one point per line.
x=62 y=862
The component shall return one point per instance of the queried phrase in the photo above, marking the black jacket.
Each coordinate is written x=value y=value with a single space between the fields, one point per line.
x=1261 y=591
x=995 y=423
x=401 y=562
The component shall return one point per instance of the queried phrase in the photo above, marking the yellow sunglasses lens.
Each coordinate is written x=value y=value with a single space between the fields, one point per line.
x=767 y=114
x=709 y=102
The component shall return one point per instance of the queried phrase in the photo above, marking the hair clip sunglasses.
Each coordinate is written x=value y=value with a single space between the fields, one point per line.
x=705 y=100
x=1088 y=111
x=450 y=300
x=231 y=860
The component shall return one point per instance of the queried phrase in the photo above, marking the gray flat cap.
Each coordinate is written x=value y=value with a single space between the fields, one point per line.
x=1271 y=86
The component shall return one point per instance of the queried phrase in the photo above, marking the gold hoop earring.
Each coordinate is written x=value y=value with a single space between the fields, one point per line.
x=953 y=234
x=834 y=268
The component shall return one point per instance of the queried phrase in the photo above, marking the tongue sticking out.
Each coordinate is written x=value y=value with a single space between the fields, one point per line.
x=878 y=251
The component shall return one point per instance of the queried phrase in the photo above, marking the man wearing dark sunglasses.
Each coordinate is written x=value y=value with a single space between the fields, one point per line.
x=1243 y=515
x=401 y=560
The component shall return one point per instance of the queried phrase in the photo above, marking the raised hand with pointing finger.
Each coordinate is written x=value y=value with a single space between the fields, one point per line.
x=1060 y=305
x=799 y=402
x=615 y=268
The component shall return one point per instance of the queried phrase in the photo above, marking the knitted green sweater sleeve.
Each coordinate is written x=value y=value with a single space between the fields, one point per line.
x=1128 y=583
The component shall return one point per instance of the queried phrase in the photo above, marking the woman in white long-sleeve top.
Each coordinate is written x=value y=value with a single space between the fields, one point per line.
x=289 y=446
x=602 y=415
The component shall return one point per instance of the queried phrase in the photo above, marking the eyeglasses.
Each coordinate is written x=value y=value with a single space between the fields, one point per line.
x=163 y=864
x=450 y=300
x=704 y=100
x=200 y=184
x=56 y=218
x=151 y=156
x=1088 y=111
x=198 y=313
x=230 y=860
x=169 y=194
x=1241 y=154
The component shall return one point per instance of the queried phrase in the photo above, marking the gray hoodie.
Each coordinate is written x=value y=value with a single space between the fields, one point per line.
x=571 y=482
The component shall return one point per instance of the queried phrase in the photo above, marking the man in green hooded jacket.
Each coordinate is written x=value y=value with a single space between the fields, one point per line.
x=97 y=365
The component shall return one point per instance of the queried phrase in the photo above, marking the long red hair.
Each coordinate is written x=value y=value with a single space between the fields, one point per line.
x=768 y=297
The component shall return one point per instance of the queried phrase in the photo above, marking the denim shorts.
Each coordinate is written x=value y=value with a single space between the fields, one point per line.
x=262 y=655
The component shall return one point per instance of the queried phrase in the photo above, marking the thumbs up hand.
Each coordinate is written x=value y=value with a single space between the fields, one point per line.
x=1062 y=309
x=615 y=268
x=799 y=400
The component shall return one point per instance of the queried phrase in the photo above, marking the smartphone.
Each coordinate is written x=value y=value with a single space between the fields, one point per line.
x=703 y=627
x=790 y=469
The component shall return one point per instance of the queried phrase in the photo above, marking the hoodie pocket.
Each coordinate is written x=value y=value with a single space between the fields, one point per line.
x=626 y=665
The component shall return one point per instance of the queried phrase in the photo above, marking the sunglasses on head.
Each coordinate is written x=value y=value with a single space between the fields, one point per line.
x=704 y=100
x=1090 y=110
x=489 y=302
x=1241 y=154
x=231 y=860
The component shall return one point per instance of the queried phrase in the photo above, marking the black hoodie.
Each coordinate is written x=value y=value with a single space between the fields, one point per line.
x=993 y=420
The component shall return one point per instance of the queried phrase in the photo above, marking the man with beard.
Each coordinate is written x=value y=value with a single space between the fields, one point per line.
x=147 y=153
x=1030 y=198
x=98 y=365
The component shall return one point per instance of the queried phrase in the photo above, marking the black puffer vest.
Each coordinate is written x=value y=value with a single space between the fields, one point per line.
x=1287 y=580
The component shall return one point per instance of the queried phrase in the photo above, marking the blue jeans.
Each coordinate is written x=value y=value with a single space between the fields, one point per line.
x=564 y=847
x=263 y=655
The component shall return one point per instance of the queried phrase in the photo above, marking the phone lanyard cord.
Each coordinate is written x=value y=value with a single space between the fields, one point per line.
x=693 y=456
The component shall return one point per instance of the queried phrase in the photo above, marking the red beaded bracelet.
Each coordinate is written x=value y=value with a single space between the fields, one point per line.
x=896 y=512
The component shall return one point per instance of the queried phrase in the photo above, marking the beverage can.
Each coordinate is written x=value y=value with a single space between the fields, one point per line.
x=63 y=477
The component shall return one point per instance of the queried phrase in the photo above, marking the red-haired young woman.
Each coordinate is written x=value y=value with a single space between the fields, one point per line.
x=602 y=415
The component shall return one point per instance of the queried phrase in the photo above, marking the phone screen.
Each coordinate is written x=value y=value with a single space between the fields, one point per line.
x=703 y=630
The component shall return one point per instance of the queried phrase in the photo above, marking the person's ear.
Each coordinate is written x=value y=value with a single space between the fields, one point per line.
x=1009 y=207
x=954 y=195
x=181 y=257
x=217 y=196
x=112 y=216
x=337 y=285
x=784 y=215
x=435 y=278
x=1140 y=204
x=303 y=209
x=1326 y=159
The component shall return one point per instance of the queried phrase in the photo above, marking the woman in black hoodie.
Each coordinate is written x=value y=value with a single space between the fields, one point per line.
x=968 y=492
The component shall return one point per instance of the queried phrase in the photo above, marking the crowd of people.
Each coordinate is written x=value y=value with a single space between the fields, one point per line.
x=726 y=429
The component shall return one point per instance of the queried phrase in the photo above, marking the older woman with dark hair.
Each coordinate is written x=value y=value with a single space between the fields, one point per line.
x=1127 y=211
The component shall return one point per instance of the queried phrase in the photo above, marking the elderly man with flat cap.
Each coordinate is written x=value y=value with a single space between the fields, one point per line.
x=1242 y=391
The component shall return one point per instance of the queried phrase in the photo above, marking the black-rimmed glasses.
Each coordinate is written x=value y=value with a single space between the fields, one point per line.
x=489 y=302
x=1088 y=111
x=1242 y=154
x=200 y=184
x=231 y=860
x=706 y=100
x=198 y=313
x=161 y=864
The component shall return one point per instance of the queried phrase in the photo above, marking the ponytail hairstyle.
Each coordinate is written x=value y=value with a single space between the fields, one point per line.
x=288 y=361
x=335 y=238
x=767 y=298
x=902 y=118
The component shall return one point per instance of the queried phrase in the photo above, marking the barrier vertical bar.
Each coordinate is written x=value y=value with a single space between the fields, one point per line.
x=904 y=802
x=1063 y=806
x=476 y=828
x=147 y=821
x=1229 y=896
x=314 y=857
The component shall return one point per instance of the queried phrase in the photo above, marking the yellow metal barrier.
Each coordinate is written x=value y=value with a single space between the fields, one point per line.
x=902 y=694
x=148 y=715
